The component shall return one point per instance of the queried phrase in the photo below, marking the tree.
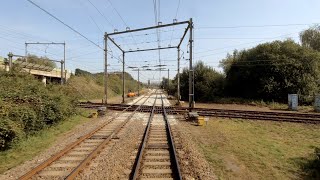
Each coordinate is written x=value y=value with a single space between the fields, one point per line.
x=208 y=85
x=311 y=37
x=272 y=70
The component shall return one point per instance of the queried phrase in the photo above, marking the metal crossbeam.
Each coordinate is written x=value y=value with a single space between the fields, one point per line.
x=148 y=28
x=152 y=49
x=188 y=29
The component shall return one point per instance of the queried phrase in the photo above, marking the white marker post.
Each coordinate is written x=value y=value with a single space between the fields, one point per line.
x=206 y=119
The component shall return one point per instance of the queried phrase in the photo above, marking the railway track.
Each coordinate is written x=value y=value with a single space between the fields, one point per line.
x=156 y=157
x=69 y=162
x=312 y=118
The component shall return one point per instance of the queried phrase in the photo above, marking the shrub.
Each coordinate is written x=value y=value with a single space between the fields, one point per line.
x=27 y=106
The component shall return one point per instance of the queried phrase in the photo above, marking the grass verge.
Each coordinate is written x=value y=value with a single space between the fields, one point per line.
x=239 y=149
x=26 y=149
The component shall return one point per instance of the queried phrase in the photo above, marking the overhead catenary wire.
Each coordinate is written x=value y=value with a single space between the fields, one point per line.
x=175 y=18
x=254 y=26
x=56 y=18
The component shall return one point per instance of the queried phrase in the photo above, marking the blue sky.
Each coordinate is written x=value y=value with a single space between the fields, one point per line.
x=22 y=22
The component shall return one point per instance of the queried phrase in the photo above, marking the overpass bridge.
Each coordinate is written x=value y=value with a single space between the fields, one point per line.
x=44 y=73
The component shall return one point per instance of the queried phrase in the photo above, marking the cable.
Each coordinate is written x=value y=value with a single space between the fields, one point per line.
x=254 y=26
x=91 y=17
x=240 y=45
x=175 y=18
x=64 y=23
x=101 y=14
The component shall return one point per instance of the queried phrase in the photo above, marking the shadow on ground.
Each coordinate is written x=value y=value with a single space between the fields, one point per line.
x=310 y=166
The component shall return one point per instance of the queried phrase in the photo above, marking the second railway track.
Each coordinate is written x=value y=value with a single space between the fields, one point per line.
x=312 y=118
x=69 y=162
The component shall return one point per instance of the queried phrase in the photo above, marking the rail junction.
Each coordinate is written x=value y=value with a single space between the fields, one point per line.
x=312 y=118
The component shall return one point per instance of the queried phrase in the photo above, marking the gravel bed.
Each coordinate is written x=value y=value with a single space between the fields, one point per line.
x=193 y=164
x=64 y=140
x=113 y=161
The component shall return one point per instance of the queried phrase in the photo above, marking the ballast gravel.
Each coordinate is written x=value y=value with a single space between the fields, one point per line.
x=62 y=142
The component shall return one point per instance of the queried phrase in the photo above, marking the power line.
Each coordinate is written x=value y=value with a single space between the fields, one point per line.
x=64 y=23
x=92 y=19
x=101 y=14
x=240 y=45
x=253 y=26
x=175 y=19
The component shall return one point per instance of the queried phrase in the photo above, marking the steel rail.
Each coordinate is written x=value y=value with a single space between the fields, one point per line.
x=94 y=153
x=171 y=144
x=55 y=157
x=173 y=153
x=137 y=164
x=136 y=170
x=243 y=114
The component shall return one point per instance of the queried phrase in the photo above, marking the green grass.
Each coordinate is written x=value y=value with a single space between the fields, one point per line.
x=239 y=149
x=26 y=149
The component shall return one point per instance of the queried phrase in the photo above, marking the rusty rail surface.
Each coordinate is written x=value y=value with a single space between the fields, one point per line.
x=313 y=118
x=148 y=168
x=93 y=154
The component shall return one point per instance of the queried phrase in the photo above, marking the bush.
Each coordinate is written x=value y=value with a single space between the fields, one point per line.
x=27 y=106
x=8 y=132
x=271 y=71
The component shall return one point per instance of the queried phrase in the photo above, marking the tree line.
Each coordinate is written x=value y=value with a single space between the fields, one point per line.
x=269 y=72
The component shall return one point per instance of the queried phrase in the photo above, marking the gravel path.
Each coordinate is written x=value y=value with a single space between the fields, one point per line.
x=64 y=140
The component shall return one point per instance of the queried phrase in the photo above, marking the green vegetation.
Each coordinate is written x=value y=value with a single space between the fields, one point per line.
x=30 y=146
x=311 y=37
x=272 y=70
x=33 y=116
x=27 y=106
x=90 y=86
x=240 y=149
x=267 y=72
x=39 y=60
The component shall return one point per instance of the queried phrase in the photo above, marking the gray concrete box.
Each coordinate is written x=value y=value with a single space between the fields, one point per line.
x=317 y=103
x=293 y=102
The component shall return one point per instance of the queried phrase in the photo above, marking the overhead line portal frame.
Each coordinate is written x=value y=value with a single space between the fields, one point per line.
x=189 y=29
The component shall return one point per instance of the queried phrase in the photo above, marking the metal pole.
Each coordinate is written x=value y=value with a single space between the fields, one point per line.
x=26 y=51
x=123 y=89
x=178 y=77
x=10 y=55
x=62 y=71
x=105 y=70
x=191 y=95
x=138 y=82
x=168 y=80
x=64 y=63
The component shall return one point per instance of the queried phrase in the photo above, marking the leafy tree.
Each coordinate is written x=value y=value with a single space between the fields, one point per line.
x=311 y=37
x=272 y=70
x=208 y=83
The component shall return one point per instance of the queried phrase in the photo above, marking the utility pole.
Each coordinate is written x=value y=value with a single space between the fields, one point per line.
x=168 y=79
x=62 y=71
x=10 y=55
x=26 y=52
x=191 y=93
x=123 y=89
x=138 y=82
x=178 y=77
x=105 y=70
x=64 y=64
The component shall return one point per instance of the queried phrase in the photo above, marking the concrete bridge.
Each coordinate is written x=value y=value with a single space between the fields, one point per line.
x=44 y=73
